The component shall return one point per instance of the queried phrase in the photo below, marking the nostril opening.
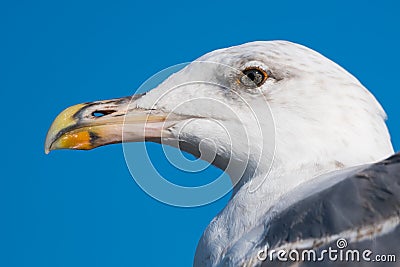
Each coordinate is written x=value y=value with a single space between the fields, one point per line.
x=101 y=113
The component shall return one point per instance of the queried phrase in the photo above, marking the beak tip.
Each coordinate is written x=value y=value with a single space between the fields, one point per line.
x=47 y=147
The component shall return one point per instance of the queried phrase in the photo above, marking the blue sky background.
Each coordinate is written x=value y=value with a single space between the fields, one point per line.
x=74 y=208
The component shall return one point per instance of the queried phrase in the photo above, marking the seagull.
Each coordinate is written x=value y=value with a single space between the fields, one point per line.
x=304 y=143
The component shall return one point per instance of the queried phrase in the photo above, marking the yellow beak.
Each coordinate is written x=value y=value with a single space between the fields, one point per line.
x=90 y=125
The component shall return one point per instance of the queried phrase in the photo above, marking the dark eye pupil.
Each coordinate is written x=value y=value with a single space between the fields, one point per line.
x=253 y=77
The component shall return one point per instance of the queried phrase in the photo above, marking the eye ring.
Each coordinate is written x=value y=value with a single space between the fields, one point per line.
x=253 y=77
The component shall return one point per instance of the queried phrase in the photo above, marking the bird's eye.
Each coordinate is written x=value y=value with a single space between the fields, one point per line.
x=253 y=76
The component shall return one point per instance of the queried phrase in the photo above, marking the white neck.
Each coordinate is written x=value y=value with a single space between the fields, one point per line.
x=252 y=199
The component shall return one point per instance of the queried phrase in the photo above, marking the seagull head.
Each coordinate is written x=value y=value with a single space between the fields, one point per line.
x=244 y=108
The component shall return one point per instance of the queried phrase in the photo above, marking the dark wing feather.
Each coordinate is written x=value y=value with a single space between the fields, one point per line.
x=361 y=205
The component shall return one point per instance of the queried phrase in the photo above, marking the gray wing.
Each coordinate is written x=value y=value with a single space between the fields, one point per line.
x=360 y=207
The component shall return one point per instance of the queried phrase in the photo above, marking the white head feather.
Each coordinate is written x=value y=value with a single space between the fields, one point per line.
x=309 y=117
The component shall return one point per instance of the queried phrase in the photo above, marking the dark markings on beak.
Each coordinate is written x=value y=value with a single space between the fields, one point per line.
x=119 y=115
x=79 y=114
x=93 y=138
x=103 y=106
